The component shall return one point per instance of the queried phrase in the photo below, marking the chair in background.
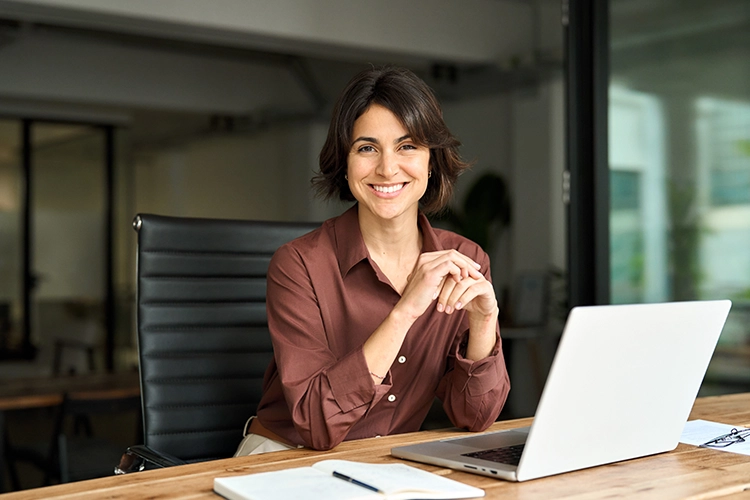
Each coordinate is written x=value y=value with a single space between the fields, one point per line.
x=203 y=341
x=111 y=405
x=529 y=340
x=75 y=456
x=75 y=354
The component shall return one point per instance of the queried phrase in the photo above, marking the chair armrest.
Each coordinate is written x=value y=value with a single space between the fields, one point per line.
x=137 y=457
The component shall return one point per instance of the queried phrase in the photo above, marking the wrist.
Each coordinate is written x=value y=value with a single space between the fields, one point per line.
x=401 y=316
x=479 y=317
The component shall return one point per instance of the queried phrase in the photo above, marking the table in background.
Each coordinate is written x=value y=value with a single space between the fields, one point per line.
x=684 y=473
x=29 y=393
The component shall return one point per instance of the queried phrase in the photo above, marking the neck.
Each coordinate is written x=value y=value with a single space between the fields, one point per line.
x=391 y=242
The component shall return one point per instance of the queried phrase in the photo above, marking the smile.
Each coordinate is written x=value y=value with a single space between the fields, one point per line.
x=388 y=189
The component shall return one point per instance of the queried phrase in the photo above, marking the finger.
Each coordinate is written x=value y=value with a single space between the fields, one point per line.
x=437 y=289
x=445 y=292
x=468 y=266
x=458 y=295
x=479 y=297
x=446 y=267
x=434 y=266
x=465 y=298
x=454 y=255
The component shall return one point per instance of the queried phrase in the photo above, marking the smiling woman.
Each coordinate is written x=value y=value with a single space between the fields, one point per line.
x=376 y=313
x=387 y=169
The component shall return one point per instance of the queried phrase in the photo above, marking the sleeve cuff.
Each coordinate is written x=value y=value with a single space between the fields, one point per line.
x=478 y=377
x=351 y=383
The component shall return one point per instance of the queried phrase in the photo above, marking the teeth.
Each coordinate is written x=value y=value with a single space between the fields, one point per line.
x=388 y=189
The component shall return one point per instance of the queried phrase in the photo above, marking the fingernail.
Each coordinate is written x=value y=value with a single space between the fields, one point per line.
x=458 y=305
x=477 y=265
x=449 y=309
x=437 y=292
x=440 y=307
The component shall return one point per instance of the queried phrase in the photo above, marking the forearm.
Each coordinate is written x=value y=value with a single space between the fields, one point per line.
x=476 y=412
x=325 y=406
x=482 y=335
x=382 y=347
x=474 y=392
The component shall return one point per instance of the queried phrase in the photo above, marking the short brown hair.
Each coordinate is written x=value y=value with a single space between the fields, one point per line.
x=413 y=102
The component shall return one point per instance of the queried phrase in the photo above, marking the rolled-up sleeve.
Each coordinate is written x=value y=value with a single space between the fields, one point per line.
x=326 y=396
x=474 y=392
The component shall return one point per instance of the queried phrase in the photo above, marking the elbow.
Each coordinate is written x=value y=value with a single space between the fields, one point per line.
x=324 y=444
x=320 y=439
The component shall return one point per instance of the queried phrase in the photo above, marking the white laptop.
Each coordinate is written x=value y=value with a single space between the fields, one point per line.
x=621 y=386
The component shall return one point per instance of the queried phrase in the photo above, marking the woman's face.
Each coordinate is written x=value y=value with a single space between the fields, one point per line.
x=387 y=170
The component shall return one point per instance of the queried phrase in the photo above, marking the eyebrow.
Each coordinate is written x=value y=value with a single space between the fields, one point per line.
x=372 y=139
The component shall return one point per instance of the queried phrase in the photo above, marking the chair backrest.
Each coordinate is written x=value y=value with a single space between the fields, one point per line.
x=203 y=341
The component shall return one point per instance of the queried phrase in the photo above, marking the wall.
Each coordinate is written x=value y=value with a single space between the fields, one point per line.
x=483 y=127
x=267 y=175
x=471 y=31
x=538 y=241
x=263 y=175
x=538 y=161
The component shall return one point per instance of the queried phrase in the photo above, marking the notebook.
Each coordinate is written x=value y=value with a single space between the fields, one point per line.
x=344 y=480
x=622 y=384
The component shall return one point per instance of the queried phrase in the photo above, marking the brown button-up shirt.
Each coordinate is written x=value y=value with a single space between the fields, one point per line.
x=325 y=298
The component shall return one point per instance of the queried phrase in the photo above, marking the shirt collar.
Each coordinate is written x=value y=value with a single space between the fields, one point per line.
x=350 y=246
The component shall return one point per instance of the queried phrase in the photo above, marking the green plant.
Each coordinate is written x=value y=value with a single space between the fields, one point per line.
x=485 y=212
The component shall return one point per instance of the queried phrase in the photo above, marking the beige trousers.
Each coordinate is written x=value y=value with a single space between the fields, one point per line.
x=253 y=444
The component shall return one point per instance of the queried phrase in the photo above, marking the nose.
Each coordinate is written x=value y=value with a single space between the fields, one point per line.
x=388 y=165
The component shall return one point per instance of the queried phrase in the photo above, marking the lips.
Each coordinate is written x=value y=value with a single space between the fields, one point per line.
x=392 y=188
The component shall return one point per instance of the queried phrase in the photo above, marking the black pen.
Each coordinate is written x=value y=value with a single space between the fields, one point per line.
x=354 y=481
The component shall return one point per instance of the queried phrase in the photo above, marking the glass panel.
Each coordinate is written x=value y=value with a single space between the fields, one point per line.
x=679 y=142
x=125 y=243
x=68 y=231
x=11 y=243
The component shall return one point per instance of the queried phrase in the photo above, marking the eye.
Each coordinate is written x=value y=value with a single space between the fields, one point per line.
x=410 y=146
x=366 y=149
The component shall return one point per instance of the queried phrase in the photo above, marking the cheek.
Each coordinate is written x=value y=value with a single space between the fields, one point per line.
x=420 y=166
x=358 y=168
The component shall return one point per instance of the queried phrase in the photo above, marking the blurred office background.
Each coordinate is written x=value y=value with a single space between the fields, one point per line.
x=219 y=109
x=679 y=159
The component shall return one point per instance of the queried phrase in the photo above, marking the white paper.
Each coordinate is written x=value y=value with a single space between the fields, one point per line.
x=397 y=480
x=697 y=432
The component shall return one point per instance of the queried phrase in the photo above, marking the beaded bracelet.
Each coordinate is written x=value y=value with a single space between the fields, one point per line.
x=377 y=376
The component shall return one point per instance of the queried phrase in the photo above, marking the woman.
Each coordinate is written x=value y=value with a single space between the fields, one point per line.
x=376 y=312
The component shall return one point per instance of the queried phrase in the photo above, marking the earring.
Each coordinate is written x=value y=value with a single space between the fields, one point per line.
x=429 y=174
x=346 y=177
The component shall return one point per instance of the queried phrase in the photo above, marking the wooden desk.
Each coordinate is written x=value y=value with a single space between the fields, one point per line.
x=18 y=394
x=685 y=473
x=25 y=393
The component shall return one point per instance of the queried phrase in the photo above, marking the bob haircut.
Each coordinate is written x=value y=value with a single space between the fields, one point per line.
x=409 y=98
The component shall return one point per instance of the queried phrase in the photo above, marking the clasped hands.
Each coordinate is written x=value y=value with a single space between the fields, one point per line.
x=454 y=280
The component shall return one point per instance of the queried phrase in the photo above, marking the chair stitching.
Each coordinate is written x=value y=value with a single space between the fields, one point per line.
x=198 y=379
x=213 y=405
x=238 y=253
x=213 y=431
x=227 y=302
x=197 y=328
x=190 y=354
x=187 y=277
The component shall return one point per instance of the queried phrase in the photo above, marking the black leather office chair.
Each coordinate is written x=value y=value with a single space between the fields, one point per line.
x=203 y=340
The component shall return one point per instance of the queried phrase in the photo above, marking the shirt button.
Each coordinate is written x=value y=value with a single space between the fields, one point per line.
x=391 y=398
x=402 y=359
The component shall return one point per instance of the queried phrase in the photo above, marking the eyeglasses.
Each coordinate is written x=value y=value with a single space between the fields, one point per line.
x=735 y=436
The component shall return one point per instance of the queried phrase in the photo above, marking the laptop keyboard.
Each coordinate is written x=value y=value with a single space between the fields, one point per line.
x=510 y=455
